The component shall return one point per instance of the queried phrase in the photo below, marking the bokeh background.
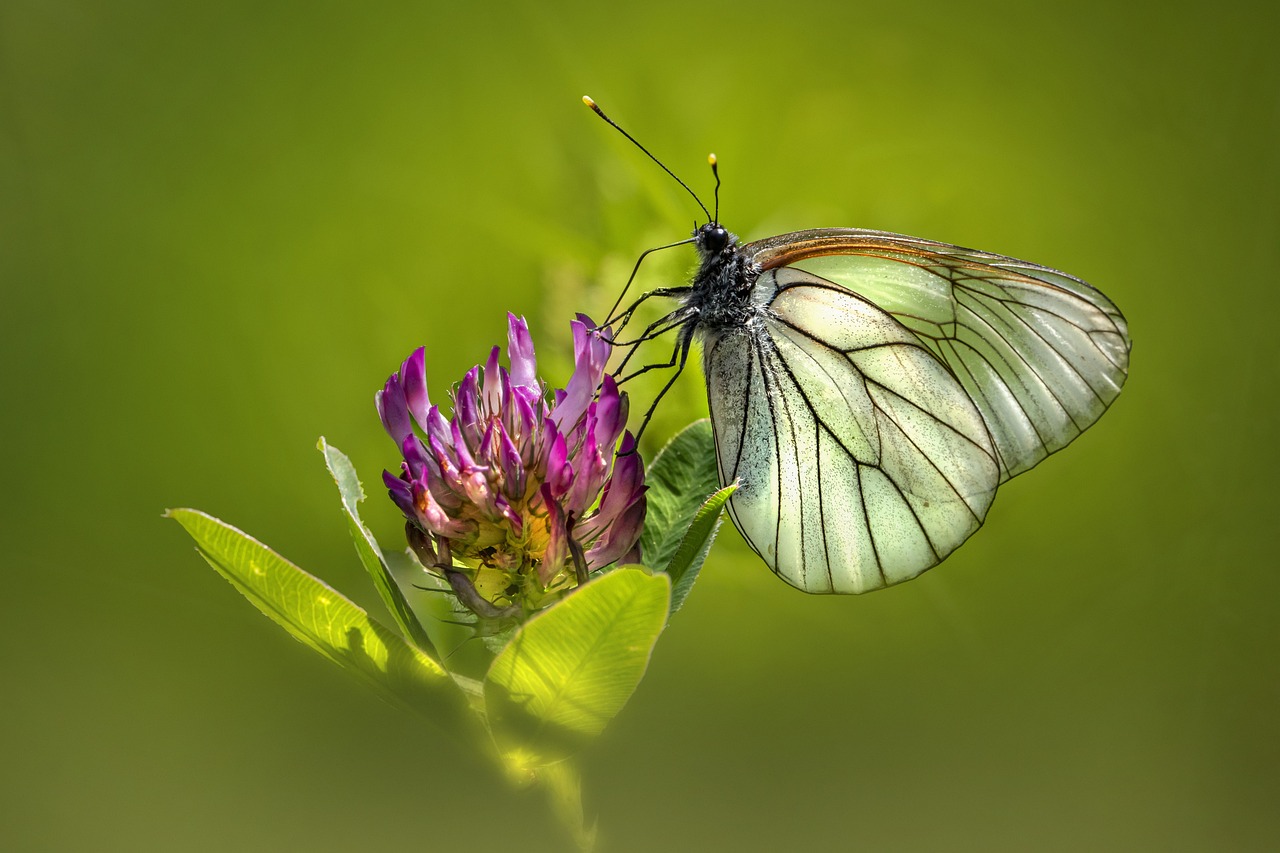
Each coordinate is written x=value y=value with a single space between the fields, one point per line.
x=223 y=224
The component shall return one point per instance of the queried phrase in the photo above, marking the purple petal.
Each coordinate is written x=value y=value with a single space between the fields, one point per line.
x=598 y=348
x=513 y=518
x=590 y=353
x=624 y=407
x=487 y=449
x=634 y=557
x=413 y=377
x=559 y=471
x=433 y=517
x=418 y=505
x=439 y=428
x=460 y=448
x=523 y=426
x=492 y=384
x=400 y=492
x=450 y=476
x=478 y=492
x=466 y=403
x=393 y=409
x=620 y=537
x=471 y=474
x=557 y=541
x=547 y=439
x=590 y=469
x=512 y=467
x=610 y=412
x=415 y=456
x=524 y=367
x=626 y=484
x=504 y=403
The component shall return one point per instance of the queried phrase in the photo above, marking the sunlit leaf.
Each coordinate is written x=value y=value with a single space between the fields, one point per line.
x=326 y=621
x=571 y=669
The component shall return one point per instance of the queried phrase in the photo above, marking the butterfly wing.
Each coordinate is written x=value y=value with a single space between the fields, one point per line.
x=862 y=461
x=1041 y=354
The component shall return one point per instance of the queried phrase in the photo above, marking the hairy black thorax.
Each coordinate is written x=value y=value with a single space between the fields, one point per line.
x=720 y=295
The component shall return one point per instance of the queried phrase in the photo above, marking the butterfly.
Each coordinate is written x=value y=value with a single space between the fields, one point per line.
x=869 y=392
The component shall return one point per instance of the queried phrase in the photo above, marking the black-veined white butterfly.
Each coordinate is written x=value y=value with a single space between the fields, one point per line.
x=870 y=391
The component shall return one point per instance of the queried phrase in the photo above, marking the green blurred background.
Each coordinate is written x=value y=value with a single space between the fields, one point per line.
x=222 y=226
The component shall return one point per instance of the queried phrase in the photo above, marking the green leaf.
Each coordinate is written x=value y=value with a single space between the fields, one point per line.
x=680 y=479
x=692 y=553
x=571 y=669
x=322 y=618
x=344 y=474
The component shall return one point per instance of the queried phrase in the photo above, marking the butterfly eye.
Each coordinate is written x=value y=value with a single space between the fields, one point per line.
x=713 y=238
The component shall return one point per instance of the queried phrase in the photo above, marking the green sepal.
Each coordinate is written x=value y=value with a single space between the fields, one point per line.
x=680 y=479
x=375 y=563
x=692 y=553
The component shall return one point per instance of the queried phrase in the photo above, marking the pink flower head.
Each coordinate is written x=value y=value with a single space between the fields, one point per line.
x=517 y=479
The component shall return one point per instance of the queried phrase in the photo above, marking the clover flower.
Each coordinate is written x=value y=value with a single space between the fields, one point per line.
x=528 y=490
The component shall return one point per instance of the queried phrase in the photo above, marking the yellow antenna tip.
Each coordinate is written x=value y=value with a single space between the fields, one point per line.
x=586 y=99
x=711 y=159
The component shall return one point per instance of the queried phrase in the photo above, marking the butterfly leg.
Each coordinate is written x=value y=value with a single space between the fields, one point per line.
x=680 y=353
x=656 y=329
x=632 y=277
x=626 y=316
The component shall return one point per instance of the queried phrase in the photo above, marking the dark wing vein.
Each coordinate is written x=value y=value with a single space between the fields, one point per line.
x=1010 y=313
x=980 y=391
x=1007 y=325
x=1013 y=368
x=774 y=377
x=777 y=450
x=813 y=411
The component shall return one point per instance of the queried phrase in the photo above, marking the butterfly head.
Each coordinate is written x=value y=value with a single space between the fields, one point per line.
x=712 y=240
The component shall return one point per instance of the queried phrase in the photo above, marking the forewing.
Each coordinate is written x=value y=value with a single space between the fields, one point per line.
x=861 y=461
x=1041 y=353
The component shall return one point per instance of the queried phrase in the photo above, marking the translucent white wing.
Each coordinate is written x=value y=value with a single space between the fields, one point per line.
x=1041 y=353
x=862 y=461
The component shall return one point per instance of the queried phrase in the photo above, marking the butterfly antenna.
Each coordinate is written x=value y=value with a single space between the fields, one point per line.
x=586 y=100
x=711 y=158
